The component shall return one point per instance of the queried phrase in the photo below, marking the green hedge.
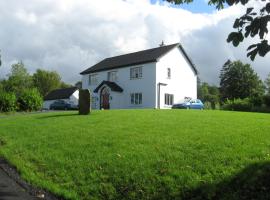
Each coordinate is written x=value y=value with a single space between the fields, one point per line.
x=7 y=102
x=237 y=105
x=30 y=100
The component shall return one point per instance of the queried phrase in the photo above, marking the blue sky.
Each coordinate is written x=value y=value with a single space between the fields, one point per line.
x=198 y=6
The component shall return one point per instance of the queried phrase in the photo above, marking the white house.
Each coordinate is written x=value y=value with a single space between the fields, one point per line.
x=153 y=78
x=69 y=95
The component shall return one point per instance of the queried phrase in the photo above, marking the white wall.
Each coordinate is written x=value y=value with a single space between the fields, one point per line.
x=145 y=85
x=183 y=81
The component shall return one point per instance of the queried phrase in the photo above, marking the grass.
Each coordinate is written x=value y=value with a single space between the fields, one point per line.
x=142 y=154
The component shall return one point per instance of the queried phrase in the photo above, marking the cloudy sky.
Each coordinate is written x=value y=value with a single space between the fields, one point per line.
x=71 y=35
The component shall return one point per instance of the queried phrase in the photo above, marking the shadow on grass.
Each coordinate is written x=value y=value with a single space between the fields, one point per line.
x=253 y=182
x=58 y=115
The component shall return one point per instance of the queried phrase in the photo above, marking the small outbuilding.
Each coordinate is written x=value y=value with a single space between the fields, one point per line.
x=69 y=95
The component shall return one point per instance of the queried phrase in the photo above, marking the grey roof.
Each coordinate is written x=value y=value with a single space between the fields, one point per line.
x=60 y=93
x=112 y=85
x=136 y=58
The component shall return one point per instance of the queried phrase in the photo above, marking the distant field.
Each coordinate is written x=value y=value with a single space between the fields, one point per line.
x=142 y=154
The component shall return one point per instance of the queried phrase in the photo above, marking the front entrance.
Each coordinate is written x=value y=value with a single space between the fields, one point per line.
x=105 y=98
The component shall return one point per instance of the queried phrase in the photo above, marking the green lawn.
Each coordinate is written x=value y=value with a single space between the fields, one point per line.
x=142 y=154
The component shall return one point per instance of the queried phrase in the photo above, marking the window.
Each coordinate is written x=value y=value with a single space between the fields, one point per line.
x=169 y=73
x=135 y=72
x=93 y=79
x=112 y=76
x=168 y=99
x=136 y=98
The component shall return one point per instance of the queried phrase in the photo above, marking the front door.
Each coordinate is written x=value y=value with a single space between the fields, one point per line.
x=105 y=98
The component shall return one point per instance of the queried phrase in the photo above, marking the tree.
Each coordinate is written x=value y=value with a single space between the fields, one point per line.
x=46 y=81
x=238 y=80
x=18 y=80
x=208 y=93
x=78 y=84
x=267 y=84
x=251 y=24
x=65 y=85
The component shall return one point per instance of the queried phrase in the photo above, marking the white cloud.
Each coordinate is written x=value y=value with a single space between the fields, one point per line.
x=69 y=36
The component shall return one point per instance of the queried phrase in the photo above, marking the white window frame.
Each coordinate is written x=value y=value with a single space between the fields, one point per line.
x=169 y=98
x=93 y=79
x=136 y=72
x=112 y=76
x=136 y=98
x=169 y=73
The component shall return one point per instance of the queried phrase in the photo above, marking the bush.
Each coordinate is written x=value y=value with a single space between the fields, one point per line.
x=207 y=105
x=7 y=102
x=30 y=100
x=266 y=100
x=237 y=105
x=256 y=101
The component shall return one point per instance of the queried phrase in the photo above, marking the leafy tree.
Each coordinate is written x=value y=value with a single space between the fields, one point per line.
x=208 y=93
x=46 y=81
x=251 y=24
x=238 y=80
x=267 y=84
x=78 y=84
x=18 y=80
x=65 y=85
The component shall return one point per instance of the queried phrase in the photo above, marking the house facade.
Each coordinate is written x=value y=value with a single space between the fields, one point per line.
x=69 y=95
x=153 y=78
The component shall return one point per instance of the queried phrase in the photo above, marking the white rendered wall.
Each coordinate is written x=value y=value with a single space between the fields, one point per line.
x=183 y=81
x=145 y=85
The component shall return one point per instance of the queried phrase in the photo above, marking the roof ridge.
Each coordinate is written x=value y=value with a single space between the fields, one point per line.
x=138 y=57
x=151 y=49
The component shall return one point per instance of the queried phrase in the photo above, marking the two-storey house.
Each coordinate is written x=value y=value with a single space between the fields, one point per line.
x=153 y=78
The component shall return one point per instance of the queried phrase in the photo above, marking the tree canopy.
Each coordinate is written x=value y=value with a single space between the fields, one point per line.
x=238 y=80
x=46 y=81
x=18 y=80
x=267 y=84
x=251 y=24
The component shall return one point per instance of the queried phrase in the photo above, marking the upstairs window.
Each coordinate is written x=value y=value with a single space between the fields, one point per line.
x=168 y=73
x=112 y=76
x=135 y=72
x=168 y=99
x=136 y=98
x=93 y=79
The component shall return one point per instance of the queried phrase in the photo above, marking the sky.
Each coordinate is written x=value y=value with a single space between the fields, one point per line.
x=69 y=36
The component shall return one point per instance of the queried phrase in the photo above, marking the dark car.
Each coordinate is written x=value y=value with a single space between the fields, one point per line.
x=190 y=104
x=62 y=105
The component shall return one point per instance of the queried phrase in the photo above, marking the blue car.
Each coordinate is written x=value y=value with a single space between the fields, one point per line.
x=191 y=104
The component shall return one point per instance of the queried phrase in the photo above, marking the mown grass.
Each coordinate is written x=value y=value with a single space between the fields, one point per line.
x=141 y=154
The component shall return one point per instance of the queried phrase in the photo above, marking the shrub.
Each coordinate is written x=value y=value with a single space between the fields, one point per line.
x=7 y=102
x=207 y=105
x=256 y=101
x=30 y=100
x=237 y=105
x=266 y=100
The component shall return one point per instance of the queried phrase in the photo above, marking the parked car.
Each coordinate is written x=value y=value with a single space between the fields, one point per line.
x=62 y=105
x=190 y=104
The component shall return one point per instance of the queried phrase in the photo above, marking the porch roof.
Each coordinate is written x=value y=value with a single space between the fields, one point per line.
x=112 y=85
